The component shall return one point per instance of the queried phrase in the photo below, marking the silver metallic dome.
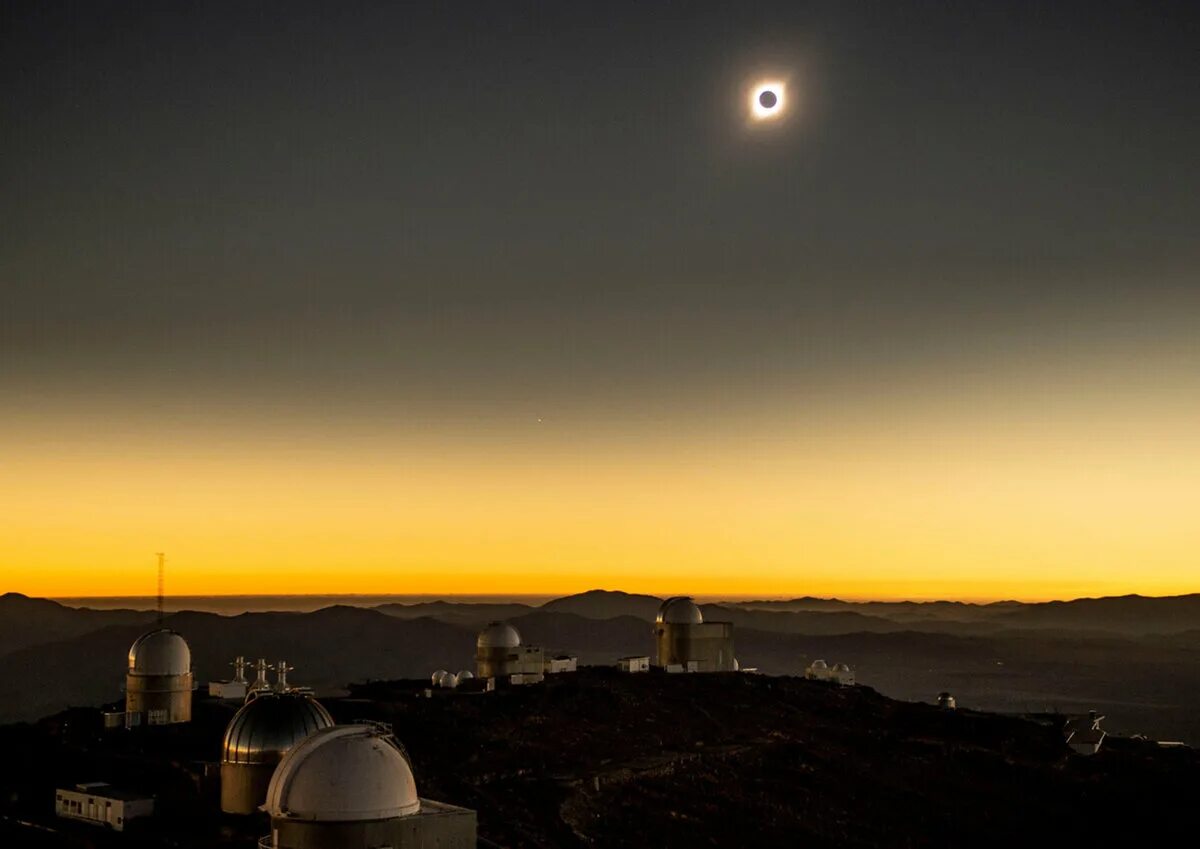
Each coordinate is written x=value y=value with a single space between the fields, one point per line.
x=680 y=610
x=161 y=652
x=269 y=725
x=498 y=635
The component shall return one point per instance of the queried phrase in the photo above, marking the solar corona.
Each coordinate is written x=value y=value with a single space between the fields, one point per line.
x=768 y=100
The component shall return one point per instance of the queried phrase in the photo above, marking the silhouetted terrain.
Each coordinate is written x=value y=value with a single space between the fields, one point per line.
x=1146 y=682
x=602 y=759
x=26 y=621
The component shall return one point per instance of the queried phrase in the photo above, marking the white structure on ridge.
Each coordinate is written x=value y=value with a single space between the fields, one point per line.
x=158 y=681
x=500 y=655
x=634 y=663
x=561 y=663
x=235 y=689
x=839 y=673
x=351 y=787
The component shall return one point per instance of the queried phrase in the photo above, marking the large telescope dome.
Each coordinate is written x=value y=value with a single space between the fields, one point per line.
x=680 y=610
x=161 y=652
x=345 y=773
x=498 y=635
x=269 y=725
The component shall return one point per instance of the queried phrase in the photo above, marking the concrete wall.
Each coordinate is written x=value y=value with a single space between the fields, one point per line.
x=502 y=662
x=435 y=826
x=158 y=699
x=244 y=786
x=709 y=645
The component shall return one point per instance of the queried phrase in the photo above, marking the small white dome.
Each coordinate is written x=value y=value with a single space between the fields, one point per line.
x=450 y=680
x=344 y=773
x=841 y=667
x=499 y=635
x=680 y=610
x=465 y=675
x=819 y=664
x=161 y=652
x=438 y=677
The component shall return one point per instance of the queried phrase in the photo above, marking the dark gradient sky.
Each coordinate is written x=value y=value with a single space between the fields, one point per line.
x=463 y=217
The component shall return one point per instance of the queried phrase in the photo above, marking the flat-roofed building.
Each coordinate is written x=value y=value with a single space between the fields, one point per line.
x=99 y=803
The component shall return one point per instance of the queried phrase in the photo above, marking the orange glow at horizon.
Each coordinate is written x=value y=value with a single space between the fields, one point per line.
x=934 y=504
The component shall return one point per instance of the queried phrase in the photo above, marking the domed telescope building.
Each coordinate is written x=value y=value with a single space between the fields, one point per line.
x=263 y=730
x=686 y=643
x=158 y=683
x=352 y=787
x=500 y=655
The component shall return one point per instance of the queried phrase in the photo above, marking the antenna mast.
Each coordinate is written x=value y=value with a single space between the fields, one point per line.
x=161 y=558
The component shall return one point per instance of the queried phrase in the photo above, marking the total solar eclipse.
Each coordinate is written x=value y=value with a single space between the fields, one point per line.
x=767 y=100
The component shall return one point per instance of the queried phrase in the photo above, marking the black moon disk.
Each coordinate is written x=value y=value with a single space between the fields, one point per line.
x=768 y=99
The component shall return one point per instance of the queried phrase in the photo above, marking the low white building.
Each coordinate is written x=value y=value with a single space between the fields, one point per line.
x=234 y=690
x=561 y=663
x=839 y=673
x=639 y=663
x=690 y=666
x=102 y=804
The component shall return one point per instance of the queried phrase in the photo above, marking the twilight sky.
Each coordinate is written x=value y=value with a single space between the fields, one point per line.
x=488 y=297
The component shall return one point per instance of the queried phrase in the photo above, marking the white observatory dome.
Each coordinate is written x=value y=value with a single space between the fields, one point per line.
x=450 y=680
x=499 y=635
x=465 y=675
x=680 y=610
x=344 y=773
x=161 y=652
x=819 y=664
x=438 y=677
x=841 y=667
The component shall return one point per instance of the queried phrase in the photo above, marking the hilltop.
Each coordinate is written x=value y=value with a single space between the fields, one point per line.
x=602 y=759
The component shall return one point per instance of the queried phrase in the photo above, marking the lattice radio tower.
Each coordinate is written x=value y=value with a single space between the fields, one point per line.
x=161 y=578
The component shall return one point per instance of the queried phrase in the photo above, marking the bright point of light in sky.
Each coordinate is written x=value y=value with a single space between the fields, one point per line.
x=767 y=100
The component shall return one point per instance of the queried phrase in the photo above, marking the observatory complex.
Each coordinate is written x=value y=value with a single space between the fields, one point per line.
x=352 y=787
x=686 y=643
x=158 y=683
x=499 y=655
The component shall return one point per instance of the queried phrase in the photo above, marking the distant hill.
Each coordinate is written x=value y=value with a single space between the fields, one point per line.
x=464 y=614
x=1131 y=658
x=1129 y=614
x=329 y=648
x=26 y=621
x=606 y=604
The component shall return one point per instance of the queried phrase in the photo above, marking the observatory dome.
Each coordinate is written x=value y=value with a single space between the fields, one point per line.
x=161 y=652
x=269 y=725
x=819 y=664
x=344 y=773
x=498 y=635
x=465 y=675
x=680 y=610
x=438 y=677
